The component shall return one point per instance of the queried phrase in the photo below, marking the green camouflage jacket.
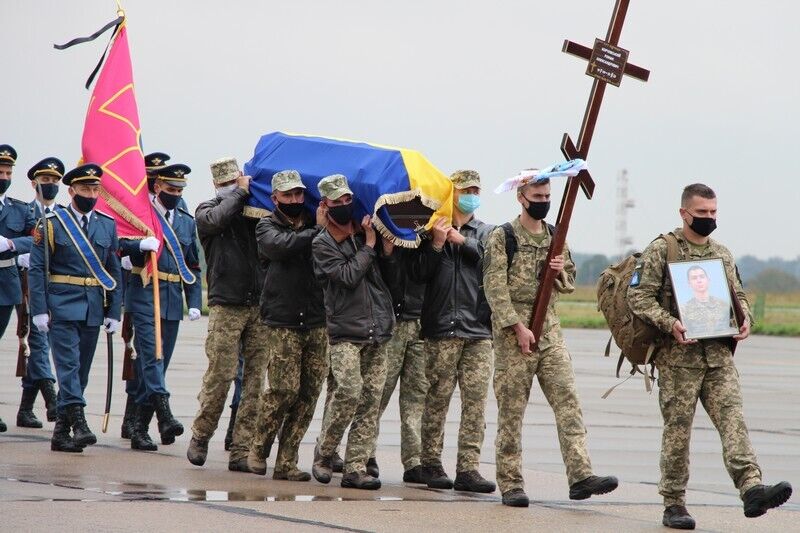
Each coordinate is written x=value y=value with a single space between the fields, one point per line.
x=512 y=291
x=644 y=302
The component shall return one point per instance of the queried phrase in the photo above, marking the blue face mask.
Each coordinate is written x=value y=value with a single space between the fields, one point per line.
x=467 y=203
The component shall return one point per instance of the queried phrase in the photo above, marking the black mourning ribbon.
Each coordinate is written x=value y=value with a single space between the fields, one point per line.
x=79 y=40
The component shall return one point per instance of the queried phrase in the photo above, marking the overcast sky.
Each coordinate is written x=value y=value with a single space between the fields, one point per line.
x=471 y=84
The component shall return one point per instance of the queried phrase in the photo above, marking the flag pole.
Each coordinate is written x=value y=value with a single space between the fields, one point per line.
x=156 y=303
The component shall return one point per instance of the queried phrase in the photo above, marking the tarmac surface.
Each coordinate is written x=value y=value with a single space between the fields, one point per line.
x=111 y=488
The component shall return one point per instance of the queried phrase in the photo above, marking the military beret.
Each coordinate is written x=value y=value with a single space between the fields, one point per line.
x=174 y=175
x=8 y=156
x=49 y=166
x=155 y=161
x=286 y=180
x=333 y=187
x=463 y=179
x=88 y=174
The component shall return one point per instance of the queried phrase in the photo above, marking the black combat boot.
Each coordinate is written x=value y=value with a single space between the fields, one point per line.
x=231 y=423
x=417 y=474
x=321 y=469
x=516 y=498
x=168 y=425
x=140 y=438
x=81 y=433
x=677 y=517
x=50 y=398
x=197 y=451
x=3 y=427
x=439 y=478
x=372 y=468
x=473 y=481
x=762 y=498
x=25 y=416
x=128 y=418
x=337 y=463
x=592 y=485
x=360 y=480
x=62 y=441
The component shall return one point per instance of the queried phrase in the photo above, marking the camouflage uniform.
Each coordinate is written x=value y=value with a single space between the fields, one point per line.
x=706 y=317
x=686 y=373
x=405 y=354
x=359 y=373
x=469 y=363
x=511 y=293
x=227 y=326
x=298 y=365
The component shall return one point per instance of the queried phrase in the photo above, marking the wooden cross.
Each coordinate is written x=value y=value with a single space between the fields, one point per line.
x=607 y=64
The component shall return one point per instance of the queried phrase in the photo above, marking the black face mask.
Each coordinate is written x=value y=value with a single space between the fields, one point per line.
x=703 y=226
x=291 y=210
x=4 y=185
x=169 y=201
x=83 y=203
x=151 y=185
x=49 y=190
x=341 y=214
x=538 y=210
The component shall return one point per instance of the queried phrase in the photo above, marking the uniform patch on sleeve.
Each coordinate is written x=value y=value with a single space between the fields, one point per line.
x=635 y=279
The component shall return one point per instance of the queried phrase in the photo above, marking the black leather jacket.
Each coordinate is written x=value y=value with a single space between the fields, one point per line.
x=454 y=305
x=407 y=294
x=234 y=273
x=358 y=305
x=291 y=297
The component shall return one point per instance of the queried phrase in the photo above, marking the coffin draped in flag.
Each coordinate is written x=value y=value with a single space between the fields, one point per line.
x=112 y=140
x=400 y=187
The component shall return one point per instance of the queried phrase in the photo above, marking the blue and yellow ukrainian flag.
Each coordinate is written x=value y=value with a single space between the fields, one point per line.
x=380 y=176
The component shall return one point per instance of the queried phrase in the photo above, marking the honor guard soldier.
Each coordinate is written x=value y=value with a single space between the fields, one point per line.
x=45 y=176
x=178 y=275
x=77 y=294
x=16 y=224
x=153 y=163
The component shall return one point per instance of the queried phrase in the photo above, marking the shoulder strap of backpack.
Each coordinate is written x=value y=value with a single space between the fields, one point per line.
x=511 y=242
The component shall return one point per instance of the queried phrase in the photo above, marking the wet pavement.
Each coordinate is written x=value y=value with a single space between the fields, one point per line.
x=110 y=487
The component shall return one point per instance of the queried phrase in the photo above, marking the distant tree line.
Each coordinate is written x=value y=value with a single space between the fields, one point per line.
x=771 y=275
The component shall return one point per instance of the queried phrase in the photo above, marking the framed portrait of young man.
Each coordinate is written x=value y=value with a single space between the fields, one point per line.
x=703 y=295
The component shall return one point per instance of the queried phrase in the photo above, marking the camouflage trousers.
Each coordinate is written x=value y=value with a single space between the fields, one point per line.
x=231 y=327
x=718 y=390
x=405 y=360
x=298 y=365
x=512 y=388
x=467 y=362
x=359 y=374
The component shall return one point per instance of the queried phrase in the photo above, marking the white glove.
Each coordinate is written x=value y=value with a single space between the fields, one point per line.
x=149 y=244
x=110 y=325
x=126 y=263
x=194 y=314
x=40 y=321
x=24 y=261
x=5 y=244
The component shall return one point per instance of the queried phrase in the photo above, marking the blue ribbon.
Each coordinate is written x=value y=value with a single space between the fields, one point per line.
x=85 y=248
x=174 y=246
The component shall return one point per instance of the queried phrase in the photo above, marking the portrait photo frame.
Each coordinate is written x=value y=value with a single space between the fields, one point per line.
x=703 y=297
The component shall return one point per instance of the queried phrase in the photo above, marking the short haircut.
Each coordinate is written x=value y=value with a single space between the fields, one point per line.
x=692 y=269
x=545 y=181
x=696 y=189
